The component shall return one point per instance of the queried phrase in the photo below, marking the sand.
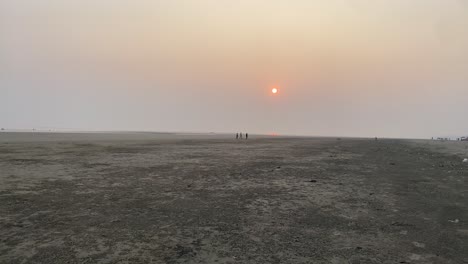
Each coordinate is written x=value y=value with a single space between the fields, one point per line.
x=140 y=198
x=459 y=148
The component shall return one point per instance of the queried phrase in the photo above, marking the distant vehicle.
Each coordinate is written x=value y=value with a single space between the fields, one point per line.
x=464 y=139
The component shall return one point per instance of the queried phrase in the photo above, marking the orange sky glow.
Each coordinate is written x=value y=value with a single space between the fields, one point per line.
x=358 y=68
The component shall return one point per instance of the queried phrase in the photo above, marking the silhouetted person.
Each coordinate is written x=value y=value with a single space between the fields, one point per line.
x=246 y=135
x=237 y=135
x=241 y=135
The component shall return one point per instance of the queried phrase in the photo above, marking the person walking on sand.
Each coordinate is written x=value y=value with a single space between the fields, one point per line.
x=237 y=135
x=246 y=135
x=240 y=135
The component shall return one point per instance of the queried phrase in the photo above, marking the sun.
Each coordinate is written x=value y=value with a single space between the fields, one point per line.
x=274 y=90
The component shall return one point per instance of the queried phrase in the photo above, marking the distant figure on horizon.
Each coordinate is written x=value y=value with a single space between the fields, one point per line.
x=246 y=135
x=237 y=135
x=240 y=135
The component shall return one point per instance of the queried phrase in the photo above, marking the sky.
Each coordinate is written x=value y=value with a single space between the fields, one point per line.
x=343 y=67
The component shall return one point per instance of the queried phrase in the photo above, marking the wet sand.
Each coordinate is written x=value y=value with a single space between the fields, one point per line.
x=211 y=199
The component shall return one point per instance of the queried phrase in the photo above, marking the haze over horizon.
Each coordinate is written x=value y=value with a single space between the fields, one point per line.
x=346 y=68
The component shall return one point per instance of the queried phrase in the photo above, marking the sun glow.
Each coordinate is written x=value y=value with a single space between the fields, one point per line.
x=274 y=90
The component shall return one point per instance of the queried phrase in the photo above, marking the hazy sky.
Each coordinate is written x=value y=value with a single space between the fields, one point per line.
x=394 y=68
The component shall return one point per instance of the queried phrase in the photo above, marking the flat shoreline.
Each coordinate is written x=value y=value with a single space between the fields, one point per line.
x=103 y=136
x=452 y=147
x=106 y=136
x=266 y=200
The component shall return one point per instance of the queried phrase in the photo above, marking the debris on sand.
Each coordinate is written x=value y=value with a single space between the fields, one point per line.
x=456 y=221
x=312 y=181
x=465 y=160
x=419 y=245
x=392 y=163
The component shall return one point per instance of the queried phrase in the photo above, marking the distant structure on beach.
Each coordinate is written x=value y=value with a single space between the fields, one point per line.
x=448 y=139
x=443 y=139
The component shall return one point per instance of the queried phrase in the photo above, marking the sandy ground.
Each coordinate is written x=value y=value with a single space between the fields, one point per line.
x=108 y=199
x=452 y=147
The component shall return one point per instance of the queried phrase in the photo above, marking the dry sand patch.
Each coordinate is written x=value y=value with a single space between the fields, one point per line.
x=280 y=200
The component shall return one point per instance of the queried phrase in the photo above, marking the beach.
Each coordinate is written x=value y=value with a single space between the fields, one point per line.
x=208 y=198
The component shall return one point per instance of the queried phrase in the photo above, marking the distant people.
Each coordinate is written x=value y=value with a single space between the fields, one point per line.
x=240 y=135
x=237 y=135
x=246 y=135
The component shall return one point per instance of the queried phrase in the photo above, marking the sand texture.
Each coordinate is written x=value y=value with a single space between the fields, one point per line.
x=217 y=200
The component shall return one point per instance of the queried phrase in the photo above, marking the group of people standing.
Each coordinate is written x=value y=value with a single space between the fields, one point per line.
x=239 y=135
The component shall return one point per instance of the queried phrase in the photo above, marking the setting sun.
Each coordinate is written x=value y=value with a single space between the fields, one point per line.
x=274 y=90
